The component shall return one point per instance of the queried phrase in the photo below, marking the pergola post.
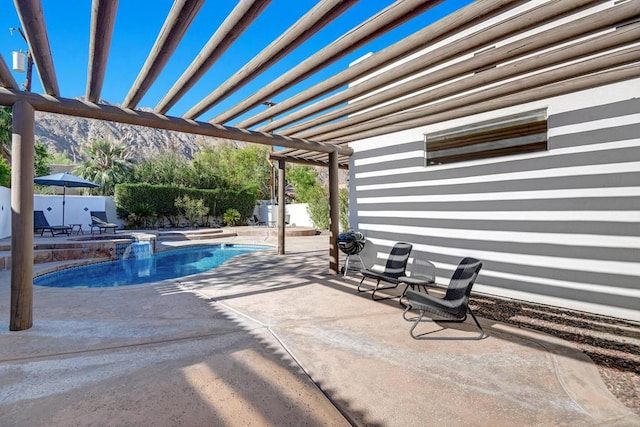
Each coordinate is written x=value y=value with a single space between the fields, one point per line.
x=334 y=212
x=22 y=155
x=281 y=205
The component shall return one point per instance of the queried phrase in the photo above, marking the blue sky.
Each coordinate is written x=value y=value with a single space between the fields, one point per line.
x=138 y=23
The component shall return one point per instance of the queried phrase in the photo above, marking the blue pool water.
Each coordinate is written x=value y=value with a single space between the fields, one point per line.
x=160 y=266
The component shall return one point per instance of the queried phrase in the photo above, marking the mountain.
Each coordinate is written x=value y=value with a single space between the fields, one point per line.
x=67 y=134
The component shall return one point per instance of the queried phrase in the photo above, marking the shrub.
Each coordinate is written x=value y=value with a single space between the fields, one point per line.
x=162 y=198
x=231 y=217
x=191 y=209
x=142 y=216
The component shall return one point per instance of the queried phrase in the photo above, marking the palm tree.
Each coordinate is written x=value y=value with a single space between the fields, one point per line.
x=106 y=163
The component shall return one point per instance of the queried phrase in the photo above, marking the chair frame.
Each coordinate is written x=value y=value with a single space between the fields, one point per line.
x=61 y=229
x=396 y=261
x=103 y=225
x=256 y=222
x=423 y=303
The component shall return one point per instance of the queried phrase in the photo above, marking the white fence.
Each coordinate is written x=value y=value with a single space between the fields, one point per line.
x=297 y=213
x=5 y=212
x=77 y=209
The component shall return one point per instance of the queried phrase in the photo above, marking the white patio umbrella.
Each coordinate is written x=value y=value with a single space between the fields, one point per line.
x=64 y=180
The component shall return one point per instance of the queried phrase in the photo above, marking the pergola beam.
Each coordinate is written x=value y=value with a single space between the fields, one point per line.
x=485 y=37
x=313 y=21
x=380 y=23
x=6 y=78
x=487 y=102
x=103 y=18
x=467 y=16
x=233 y=26
x=79 y=108
x=32 y=21
x=305 y=161
x=180 y=17
x=564 y=54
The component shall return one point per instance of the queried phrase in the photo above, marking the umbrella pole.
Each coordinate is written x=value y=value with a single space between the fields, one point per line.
x=64 y=194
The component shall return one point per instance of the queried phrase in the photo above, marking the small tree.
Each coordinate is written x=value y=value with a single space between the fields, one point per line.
x=228 y=164
x=319 y=207
x=191 y=209
x=304 y=181
x=41 y=159
x=106 y=164
x=167 y=168
x=344 y=208
x=57 y=158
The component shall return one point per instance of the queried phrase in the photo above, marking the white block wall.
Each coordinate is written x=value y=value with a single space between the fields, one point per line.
x=560 y=227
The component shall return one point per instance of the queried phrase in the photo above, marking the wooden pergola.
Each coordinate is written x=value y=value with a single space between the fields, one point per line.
x=316 y=125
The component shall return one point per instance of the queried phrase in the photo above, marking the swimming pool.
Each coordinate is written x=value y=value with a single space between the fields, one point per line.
x=160 y=266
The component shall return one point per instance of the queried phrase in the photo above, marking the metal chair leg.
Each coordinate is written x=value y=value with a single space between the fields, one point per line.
x=359 y=285
x=378 y=288
x=424 y=337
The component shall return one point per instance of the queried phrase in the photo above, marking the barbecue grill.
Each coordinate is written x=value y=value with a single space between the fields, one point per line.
x=351 y=243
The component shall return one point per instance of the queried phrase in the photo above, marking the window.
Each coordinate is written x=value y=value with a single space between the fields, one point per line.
x=516 y=134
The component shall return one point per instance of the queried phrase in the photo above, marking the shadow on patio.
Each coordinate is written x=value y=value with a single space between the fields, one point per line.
x=276 y=341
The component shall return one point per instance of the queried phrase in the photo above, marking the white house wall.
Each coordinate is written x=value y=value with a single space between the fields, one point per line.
x=560 y=227
x=5 y=212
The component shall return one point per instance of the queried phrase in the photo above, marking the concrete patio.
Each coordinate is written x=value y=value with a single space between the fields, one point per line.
x=268 y=340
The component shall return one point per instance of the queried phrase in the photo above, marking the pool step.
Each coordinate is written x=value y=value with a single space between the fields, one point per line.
x=197 y=234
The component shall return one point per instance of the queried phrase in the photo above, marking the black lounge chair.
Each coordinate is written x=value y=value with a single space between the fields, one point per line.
x=99 y=221
x=255 y=221
x=393 y=271
x=453 y=307
x=41 y=224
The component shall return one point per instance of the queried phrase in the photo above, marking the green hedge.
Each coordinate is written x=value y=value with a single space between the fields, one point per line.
x=162 y=199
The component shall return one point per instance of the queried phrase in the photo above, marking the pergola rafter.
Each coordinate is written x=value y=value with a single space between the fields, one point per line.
x=33 y=25
x=462 y=18
x=322 y=14
x=103 y=18
x=485 y=101
x=385 y=20
x=233 y=26
x=6 y=78
x=181 y=15
x=559 y=55
x=486 y=37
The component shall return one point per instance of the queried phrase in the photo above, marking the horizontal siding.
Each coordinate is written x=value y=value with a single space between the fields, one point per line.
x=549 y=164
x=560 y=227
x=591 y=114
